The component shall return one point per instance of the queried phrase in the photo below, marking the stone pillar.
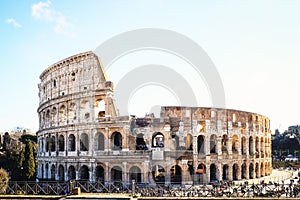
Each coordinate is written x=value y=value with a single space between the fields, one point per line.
x=66 y=172
x=208 y=172
x=107 y=173
x=124 y=173
x=219 y=171
x=247 y=146
x=219 y=146
x=92 y=170
x=168 y=175
x=146 y=172
x=207 y=145
x=230 y=175
x=229 y=146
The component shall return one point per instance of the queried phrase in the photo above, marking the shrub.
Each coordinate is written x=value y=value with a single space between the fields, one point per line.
x=3 y=181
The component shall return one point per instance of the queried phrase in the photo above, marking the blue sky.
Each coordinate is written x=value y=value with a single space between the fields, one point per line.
x=254 y=45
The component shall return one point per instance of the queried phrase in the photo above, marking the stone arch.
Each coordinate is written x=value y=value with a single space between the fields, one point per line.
x=47 y=171
x=176 y=174
x=257 y=150
x=116 y=138
x=48 y=116
x=213 y=143
x=224 y=143
x=251 y=143
x=84 y=142
x=52 y=144
x=100 y=174
x=244 y=170
x=84 y=173
x=158 y=140
x=52 y=172
x=116 y=174
x=47 y=144
x=189 y=142
x=135 y=173
x=201 y=170
x=61 y=173
x=213 y=172
x=244 y=146
x=71 y=143
x=225 y=172
x=62 y=113
x=99 y=141
x=140 y=143
x=54 y=114
x=99 y=108
x=61 y=143
x=71 y=172
x=235 y=171
x=201 y=143
x=262 y=145
x=235 y=143
x=251 y=171
x=257 y=170
x=158 y=173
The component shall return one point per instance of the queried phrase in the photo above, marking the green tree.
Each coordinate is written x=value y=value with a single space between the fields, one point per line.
x=29 y=162
x=3 y=180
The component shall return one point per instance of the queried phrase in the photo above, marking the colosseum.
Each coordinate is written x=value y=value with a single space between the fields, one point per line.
x=81 y=135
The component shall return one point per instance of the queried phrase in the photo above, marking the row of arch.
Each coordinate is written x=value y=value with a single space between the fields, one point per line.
x=68 y=112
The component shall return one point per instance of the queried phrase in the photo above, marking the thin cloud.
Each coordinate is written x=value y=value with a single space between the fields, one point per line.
x=13 y=22
x=43 y=11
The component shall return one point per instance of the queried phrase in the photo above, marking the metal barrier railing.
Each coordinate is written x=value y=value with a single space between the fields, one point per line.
x=224 y=189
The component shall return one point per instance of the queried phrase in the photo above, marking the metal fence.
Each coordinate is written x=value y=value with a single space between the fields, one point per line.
x=224 y=189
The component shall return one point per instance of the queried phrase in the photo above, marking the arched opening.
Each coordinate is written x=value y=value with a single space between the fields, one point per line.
x=71 y=143
x=48 y=116
x=84 y=173
x=140 y=143
x=235 y=144
x=251 y=171
x=224 y=143
x=257 y=151
x=200 y=143
x=72 y=113
x=135 y=174
x=244 y=150
x=257 y=170
x=201 y=170
x=61 y=143
x=62 y=113
x=116 y=141
x=61 y=173
x=225 y=173
x=99 y=141
x=54 y=114
x=84 y=142
x=47 y=171
x=175 y=172
x=213 y=172
x=100 y=108
x=235 y=170
x=251 y=150
x=116 y=174
x=47 y=144
x=53 y=172
x=52 y=144
x=71 y=173
x=99 y=173
x=262 y=146
x=85 y=109
x=213 y=142
x=158 y=140
x=244 y=169
x=158 y=173
x=189 y=142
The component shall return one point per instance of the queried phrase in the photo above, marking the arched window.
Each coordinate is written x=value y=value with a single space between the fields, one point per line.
x=135 y=174
x=158 y=173
x=53 y=172
x=213 y=172
x=176 y=174
x=54 y=114
x=84 y=173
x=244 y=145
x=61 y=173
x=62 y=113
x=140 y=143
x=235 y=144
x=251 y=143
x=200 y=143
x=235 y=170
x=99 y=173
x=158 y=140
x=84 y=142
x=116 y=141
x=47 y=171
x=71 y=173
x=99 y=141
x=71 y=143
x=224 y=143
x=116 y=174
x=100 y=108
x=52 y=144
x=61 y=143
x=213 y=142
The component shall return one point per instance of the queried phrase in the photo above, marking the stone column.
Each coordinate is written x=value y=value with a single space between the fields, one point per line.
x=124 y=173
x=207 y=145
x=219 y=146
x=107 y=173
x=66 y=172
x=168 y=175
x=219 y=171
x=146 y=172
x=230 y=175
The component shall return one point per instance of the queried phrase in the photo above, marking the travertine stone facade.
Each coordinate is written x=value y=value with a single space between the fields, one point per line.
x=81 y=135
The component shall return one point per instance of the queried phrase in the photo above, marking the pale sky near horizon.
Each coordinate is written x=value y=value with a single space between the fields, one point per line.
x=254 y=45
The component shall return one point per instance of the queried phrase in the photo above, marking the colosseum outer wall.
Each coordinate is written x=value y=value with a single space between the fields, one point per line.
x=81 y=136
